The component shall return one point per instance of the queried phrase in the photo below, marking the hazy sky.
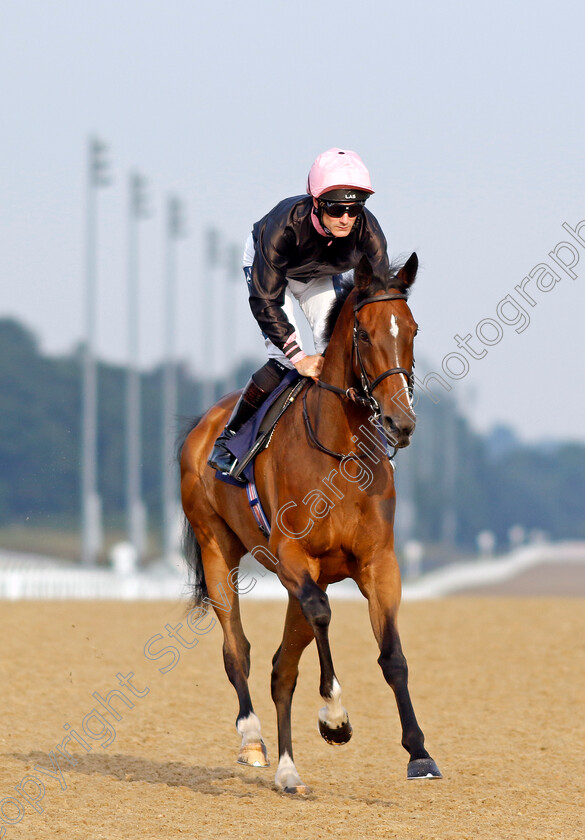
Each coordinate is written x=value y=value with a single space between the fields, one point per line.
x=469 y=116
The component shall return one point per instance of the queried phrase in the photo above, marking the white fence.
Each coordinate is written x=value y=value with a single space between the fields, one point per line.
x=475 y=573
x=30 y=576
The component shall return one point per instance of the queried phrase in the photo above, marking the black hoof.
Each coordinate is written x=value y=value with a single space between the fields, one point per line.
x=423 y=768
x=340 y=735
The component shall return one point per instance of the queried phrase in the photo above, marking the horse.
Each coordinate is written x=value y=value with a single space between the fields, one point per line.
x=326 y=524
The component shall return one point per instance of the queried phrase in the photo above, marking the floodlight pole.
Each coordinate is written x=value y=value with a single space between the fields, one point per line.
x=234 y=274
x=135 y=509
x=91 y=529
x=449 y=524
x=208 y=340
x=175 y=230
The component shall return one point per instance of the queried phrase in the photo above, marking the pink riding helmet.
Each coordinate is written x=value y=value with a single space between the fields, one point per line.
x=338 y=168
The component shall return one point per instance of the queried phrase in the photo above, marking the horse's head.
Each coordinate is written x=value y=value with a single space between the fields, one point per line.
x=384 y=332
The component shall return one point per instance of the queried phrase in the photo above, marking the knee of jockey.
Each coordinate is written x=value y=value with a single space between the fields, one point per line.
x=258 y=387
x=264 y=381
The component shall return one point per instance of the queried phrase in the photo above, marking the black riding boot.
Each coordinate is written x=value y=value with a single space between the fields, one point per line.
x=259 y=386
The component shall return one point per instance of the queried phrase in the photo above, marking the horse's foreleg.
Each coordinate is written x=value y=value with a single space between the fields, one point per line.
x=395 y=670
x=236 y=649
x=334 y=723
x=382 y=589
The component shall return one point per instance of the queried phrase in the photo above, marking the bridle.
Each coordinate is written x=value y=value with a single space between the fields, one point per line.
x=366 y=384
x=366 y=399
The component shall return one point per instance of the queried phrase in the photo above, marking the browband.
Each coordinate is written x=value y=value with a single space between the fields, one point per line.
x=375 y=298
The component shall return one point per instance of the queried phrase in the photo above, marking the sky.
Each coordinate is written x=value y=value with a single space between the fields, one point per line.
x=469 y=117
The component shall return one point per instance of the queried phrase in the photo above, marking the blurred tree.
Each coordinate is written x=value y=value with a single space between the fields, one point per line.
x=455 y=476
x=39 y=427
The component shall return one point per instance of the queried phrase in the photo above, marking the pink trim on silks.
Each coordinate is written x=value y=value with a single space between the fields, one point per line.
x=292 y=339
x=297 y=357
x=317 y=224
x=292 y=350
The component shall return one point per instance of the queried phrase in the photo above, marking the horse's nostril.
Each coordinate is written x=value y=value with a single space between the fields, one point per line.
x=404 y=425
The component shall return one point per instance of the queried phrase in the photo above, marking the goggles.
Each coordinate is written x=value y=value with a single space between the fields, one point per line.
x=337 y=209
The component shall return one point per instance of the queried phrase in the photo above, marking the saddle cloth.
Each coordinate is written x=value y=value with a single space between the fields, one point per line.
x=255 y=434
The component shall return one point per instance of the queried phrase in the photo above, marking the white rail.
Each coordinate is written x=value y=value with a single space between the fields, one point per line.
x=31 y=577
x=475 y=573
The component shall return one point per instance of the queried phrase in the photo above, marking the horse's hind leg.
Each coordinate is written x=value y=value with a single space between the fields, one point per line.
x=221 y=555
x=285 y=669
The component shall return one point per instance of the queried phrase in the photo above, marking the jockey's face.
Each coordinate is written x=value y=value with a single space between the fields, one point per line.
x=341 y=226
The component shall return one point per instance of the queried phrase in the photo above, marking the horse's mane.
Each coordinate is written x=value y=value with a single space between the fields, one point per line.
x=378 y=284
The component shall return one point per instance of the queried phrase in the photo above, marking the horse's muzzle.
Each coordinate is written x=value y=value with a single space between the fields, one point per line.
x=399 y=433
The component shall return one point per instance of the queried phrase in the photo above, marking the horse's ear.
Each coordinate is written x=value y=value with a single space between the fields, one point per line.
x=362 y=276
x=407 y=274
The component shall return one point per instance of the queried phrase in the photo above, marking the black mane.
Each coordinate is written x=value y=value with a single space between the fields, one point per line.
x=378 y=284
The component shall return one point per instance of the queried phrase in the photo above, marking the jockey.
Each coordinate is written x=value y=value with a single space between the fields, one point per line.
x=299 y=250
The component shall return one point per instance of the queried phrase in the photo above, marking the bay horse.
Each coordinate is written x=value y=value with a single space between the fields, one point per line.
x=327 y=524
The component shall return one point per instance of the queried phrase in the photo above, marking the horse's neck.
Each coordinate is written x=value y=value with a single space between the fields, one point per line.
x=335 y=417
x=337 y=369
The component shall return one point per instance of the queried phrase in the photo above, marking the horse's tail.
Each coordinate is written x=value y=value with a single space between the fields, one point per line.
x=191 y=548
x=192 y=552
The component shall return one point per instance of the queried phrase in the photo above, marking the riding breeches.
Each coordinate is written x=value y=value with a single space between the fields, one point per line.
x=314 y=299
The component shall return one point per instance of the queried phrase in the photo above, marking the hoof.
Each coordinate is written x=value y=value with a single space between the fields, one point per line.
x=287 y=779
x=339 y=735
x=423 y=768
x=297 y=790
x=254 y=755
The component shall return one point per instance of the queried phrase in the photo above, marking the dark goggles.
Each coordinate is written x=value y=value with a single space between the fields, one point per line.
x=337 y=209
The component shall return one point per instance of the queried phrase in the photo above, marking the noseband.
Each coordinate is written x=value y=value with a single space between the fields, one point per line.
x=367 y=399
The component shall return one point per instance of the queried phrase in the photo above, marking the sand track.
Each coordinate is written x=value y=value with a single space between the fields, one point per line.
x=498 y=685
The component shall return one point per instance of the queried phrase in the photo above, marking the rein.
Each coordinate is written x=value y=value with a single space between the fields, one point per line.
x=367 y=399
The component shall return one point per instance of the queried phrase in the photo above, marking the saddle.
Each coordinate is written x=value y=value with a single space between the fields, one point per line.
x=256 y=433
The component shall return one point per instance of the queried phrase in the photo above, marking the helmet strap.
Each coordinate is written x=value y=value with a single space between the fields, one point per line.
x=317 y=219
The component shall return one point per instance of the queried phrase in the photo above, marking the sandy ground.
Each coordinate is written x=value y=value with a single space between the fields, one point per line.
x=498 y=685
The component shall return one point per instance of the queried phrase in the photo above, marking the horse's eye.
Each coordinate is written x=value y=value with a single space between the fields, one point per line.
x=363 y=336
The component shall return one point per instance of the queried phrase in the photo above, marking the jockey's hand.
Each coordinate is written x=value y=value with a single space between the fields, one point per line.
x=310 y=365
